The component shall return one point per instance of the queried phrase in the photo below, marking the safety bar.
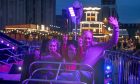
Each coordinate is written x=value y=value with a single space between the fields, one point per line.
x=59 y=63
x=51 y=81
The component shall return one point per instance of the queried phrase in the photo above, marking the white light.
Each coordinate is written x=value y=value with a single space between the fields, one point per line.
x=108 y=67
x=19 y=68
x=110 y=34
x=42 y=27
x=71 y=11
x=37 y=27
x=109 y=28
x=107 y=75
x=104 y=26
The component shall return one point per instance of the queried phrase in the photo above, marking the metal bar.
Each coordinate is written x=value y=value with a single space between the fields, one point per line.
x=5 y=49
x=46 y=62
x=58 y=71
x=54 y=81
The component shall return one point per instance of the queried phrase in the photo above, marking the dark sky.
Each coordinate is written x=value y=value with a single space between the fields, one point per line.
x=128 y=10
x=63 y=4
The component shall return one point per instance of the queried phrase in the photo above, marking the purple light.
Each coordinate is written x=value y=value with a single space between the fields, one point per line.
x=7 y=44
x=71 y=11
x=2 y=41
x=13 y=48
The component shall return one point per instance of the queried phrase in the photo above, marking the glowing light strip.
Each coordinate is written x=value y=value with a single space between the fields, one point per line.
x=92 y=8
x=71 y=11
x=8 y=44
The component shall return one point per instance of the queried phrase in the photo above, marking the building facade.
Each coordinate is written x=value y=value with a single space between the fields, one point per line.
x=108 y=8
x=14 y=12
x=92 y=23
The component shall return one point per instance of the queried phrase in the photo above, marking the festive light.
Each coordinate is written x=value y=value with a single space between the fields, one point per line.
x=108 y=72
x=20 y=68
x=2 y=41
x=13 y=48
x=7 y=44
x=108 y=67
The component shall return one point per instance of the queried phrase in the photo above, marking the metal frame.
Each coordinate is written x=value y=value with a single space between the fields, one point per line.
x=33 y=72
x=51 y=81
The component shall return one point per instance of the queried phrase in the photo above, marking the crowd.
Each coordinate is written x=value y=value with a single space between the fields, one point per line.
x=129 y=45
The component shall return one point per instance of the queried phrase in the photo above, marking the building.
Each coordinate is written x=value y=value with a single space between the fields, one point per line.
x=30 y=32
x=108 y=8
x=13 y=12
x=92 y=23
x=132 y=28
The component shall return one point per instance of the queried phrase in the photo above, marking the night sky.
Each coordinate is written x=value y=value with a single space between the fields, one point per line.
x=63 y=4
x=128 y=10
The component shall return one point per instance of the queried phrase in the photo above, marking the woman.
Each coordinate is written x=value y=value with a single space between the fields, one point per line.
x=52 y=51
x=52 y=56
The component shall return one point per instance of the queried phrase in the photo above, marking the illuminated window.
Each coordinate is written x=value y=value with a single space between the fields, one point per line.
x=94 y=25
x=92 y=14
x=85 y=25
x=88 y=19
x=92 y=18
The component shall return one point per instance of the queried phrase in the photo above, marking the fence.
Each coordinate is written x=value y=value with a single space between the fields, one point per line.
x=124 y=68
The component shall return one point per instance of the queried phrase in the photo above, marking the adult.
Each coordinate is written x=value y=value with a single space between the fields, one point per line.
x=92 y=51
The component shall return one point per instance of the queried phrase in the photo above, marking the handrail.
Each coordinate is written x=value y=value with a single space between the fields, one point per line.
x=15 y=57
x=52 y=81
x=3 y=62
x=47 y=69
x=42 y=69
x=5 y=49
x=58 y=71
x=123 y=53
x=46 y=62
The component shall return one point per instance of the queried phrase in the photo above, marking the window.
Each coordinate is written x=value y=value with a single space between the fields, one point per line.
x=94 y=25
x=85 y=25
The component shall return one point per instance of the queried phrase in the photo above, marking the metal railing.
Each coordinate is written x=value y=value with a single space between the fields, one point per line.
x=59 y=70
x=38 y=81
x=125 y=67
x=11 y=54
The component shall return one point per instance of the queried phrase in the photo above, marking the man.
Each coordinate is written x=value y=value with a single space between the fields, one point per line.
x=92 y=51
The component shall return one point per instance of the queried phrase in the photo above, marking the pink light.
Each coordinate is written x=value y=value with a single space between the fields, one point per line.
x=7 y=44
x=19 y=68
x=13 y=48
x=2 y=41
